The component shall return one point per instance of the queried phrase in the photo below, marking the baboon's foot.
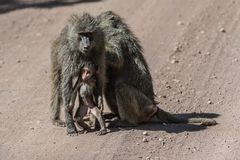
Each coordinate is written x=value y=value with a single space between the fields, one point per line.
x=209 y=122
x=102 y=132
x=58 y=122
x=72 y=132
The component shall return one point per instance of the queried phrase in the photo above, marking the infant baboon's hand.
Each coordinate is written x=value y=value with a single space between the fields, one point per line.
x=100 y=103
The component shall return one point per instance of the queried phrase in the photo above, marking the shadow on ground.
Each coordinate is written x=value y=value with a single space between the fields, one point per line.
x=173 y=128
x=11 y=5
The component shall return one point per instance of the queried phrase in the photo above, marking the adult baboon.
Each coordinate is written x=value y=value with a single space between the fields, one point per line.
x=80 y=42
x=129 y=90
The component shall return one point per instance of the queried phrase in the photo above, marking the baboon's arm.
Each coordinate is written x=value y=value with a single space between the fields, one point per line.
x=66 y=85
x=75 y=90
x=114 y=56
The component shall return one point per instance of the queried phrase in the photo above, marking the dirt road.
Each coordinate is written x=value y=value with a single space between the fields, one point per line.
x=192 y=48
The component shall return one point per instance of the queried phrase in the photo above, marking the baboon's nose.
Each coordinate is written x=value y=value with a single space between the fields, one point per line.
x=86 y=47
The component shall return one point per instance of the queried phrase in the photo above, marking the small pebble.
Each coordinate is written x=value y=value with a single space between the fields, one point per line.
x=163 y=96
x=213 y=77
x=168 y=87
x=145 y=133
x=210 y=102
x=18 y=61
x=208 y=53
x=176 y=80
x=174 y=61
x=202 y=31
x=145 y=140
x=222 y=30
x=163 y=143
x=148 y=158
x=180 y=23
x=177 y=49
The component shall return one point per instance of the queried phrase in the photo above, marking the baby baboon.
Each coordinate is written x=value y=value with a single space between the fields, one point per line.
x=79 y=43
x=86 y=86
x=129 y=90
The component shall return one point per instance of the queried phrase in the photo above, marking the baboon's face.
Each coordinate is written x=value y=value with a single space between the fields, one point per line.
x=85 y=42
x=87 y=73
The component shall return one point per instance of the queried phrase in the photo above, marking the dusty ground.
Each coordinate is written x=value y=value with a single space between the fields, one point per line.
x=192 y=48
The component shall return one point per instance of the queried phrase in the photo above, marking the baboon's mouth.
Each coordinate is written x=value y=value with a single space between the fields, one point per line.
x=85 y=51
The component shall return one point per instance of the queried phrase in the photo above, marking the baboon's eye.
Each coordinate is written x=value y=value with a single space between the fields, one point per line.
x=89 y=35
x=91 y=38
x=80 y=36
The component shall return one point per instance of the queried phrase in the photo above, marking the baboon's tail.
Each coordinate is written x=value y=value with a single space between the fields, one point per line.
x=56 y=97
x=166 y=117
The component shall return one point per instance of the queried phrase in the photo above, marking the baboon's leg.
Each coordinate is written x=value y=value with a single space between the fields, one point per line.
x=133 y=106
x=55 y=112
x=97 y=113
x=81 y=111
x=110 y=97
x=67 y=93
x=79 y=121
x=93 y=120
x=56 y=100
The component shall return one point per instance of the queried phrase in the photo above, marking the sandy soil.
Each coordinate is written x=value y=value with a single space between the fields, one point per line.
x=192 y=48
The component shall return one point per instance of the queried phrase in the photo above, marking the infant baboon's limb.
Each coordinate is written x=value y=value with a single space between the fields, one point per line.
x=98 y=114
x=80 y=42
x=80 y=113
x=88 y=103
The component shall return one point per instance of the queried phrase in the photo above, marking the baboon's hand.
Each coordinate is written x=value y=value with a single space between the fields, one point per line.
x=59 y=123
x=102 y=132
x=72 y=132
x=69 y=109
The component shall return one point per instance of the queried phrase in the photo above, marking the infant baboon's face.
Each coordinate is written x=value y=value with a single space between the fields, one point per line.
x=87 y=73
